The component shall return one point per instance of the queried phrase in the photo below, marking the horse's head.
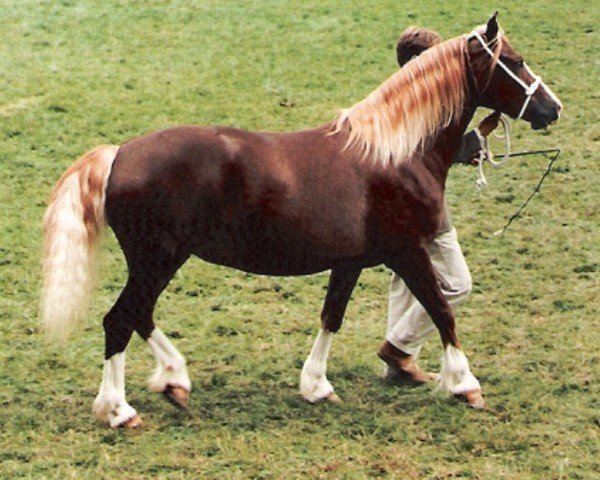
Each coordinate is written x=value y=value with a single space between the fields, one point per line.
x=504 y=82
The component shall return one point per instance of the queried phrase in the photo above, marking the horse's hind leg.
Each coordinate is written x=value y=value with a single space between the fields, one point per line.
x=314 y=385
x=148 y=276
x=110 y=404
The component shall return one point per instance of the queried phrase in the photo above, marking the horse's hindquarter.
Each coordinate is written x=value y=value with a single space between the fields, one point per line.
x=265 y=203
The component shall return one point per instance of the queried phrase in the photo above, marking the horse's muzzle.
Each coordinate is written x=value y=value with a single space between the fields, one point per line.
x=547 y=118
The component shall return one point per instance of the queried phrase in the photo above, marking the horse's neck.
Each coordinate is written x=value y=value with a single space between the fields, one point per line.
x=446 y=146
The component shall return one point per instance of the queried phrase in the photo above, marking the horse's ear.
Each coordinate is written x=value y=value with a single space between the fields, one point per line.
x=492 y=28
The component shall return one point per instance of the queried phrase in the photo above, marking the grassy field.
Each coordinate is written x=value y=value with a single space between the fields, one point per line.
x=74 y=74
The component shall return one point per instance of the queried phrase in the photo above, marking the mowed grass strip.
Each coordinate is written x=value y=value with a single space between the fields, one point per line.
x=76 y=74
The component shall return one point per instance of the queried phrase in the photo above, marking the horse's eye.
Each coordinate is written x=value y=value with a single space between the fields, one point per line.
x=519 y=63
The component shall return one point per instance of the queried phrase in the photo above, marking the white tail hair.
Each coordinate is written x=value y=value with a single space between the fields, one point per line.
x=72 y=226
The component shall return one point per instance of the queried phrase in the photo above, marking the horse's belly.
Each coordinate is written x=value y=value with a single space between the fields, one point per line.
x=266 y=248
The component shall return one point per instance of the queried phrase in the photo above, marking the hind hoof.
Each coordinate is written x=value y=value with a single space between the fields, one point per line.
x=333 y=398
x=178 y=396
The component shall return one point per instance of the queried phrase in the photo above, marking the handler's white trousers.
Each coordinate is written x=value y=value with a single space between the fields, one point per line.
x=408 y=322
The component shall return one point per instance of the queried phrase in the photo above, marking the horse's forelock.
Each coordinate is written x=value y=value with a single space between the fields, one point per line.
x=406 y=111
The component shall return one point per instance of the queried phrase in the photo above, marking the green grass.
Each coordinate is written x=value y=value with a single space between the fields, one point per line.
x=76 y=74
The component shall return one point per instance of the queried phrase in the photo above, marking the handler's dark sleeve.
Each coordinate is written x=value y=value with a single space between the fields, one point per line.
x=469 y=148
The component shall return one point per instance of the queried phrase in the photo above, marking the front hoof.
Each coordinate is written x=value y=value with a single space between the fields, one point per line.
x=177 y=396
x=317 y=390
x=474 y=399
x=131 y=423
x=330 y=397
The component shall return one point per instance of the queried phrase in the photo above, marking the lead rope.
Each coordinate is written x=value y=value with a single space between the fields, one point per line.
x=486 y=154
x=514 y=216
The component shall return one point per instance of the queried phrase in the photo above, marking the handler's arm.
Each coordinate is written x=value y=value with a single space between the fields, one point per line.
x=471 y=144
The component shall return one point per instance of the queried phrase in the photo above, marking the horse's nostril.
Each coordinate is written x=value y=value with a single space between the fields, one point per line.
x=558 y=107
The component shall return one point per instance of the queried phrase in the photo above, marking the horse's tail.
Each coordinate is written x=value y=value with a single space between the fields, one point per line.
x=72 y=226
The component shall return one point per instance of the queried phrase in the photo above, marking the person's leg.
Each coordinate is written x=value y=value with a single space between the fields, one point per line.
x=408 y=322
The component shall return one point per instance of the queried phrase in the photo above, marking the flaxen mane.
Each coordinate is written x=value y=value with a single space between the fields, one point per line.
x=409 y=108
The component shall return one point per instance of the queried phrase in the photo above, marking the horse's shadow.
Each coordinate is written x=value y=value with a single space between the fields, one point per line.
x=252 y=406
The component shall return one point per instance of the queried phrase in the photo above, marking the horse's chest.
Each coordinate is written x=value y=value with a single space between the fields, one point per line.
x=411 y=207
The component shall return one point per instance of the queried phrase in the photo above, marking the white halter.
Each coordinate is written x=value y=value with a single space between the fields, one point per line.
x=529 y=89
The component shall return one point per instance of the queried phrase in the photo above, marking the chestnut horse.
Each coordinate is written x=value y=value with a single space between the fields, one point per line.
x=363 y=190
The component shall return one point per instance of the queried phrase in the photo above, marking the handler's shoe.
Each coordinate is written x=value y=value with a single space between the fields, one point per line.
x=401 y=367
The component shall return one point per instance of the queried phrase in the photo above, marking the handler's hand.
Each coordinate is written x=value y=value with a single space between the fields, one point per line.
x=486 y=126
x=489 y=123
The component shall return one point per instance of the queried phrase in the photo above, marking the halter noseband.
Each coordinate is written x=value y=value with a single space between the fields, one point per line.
x=529 y=89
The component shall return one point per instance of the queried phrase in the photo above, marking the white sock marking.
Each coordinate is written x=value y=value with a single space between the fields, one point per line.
x=110 y=404
x=456 y=377
x=314 y=385
x=170 y=364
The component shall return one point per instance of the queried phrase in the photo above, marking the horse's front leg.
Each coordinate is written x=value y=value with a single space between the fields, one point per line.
x=414 y=266
x=314 y=385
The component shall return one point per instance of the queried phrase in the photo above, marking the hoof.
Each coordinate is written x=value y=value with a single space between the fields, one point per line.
x=474 y=399
x=178 y=396
x=130 y=423
x=333 y=398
